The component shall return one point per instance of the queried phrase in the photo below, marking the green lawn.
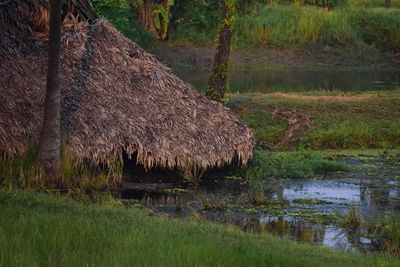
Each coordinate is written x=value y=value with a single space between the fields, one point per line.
x=42 y=230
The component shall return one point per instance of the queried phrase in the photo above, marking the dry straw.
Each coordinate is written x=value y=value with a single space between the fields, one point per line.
x=117 y=98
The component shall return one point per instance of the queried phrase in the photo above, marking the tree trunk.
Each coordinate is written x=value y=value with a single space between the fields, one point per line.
x=50 y=140
x=387 y=3
x=326 y=5
x=146 y=19
x=218 y=83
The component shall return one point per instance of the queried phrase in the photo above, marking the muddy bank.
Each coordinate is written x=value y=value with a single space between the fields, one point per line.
x=180 y=56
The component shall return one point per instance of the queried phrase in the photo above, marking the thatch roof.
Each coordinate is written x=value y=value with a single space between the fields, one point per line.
x=117 y=98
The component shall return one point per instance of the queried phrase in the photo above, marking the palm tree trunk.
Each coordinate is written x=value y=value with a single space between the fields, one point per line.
x=50 y=140
x=218 y=83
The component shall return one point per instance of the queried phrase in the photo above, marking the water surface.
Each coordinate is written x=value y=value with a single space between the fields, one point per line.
x=300 y=81
x=304 y=210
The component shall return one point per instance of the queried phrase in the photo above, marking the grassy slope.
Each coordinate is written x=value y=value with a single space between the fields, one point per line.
x=356 y=36
x=372 y=123
x=285 y=25
x=40 y=230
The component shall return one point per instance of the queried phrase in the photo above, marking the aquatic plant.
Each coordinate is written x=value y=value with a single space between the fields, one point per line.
x=299 y=164
x=211 y=202
x=256 y=191
x=352 y=218
x=391 y=233
x=191 y=172
x=312 y=201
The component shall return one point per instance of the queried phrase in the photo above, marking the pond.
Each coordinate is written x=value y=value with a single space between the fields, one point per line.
x=299 y=81
x=319 y=211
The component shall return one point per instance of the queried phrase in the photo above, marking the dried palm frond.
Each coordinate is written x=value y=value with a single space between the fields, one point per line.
x=117 y=99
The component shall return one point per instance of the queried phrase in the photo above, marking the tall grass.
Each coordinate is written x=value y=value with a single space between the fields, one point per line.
x=21 y=171
x=284 y=25
x=371 y=3
x=299 y=164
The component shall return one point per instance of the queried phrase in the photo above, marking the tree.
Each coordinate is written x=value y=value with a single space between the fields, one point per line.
x=387 y=3
x=154 y=15
x=218 y=82
x=50 y=139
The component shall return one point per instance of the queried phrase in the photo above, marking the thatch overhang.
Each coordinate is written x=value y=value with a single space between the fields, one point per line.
x=117 y=99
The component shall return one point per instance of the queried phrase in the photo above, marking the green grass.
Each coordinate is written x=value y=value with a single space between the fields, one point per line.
x=371 y=3
x=368 y=124
x=21 y=171
x=42 y=230
x=359 y=23
x=284 y=25
x=299 y=164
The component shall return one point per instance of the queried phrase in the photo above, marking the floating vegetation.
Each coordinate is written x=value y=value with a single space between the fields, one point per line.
x=352 y=219
x=175 y=190
x=311 y=201
x=211 y=202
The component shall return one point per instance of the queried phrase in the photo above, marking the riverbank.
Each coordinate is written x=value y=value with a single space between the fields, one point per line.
x=180 y=56
x=41 y=230
x=317 y=121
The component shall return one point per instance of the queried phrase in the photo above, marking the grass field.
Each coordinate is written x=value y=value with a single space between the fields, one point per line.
x=42 y=230
x=349 y=122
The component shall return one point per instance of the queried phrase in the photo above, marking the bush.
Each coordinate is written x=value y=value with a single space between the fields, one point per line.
x=120 y=14
x=379 y=27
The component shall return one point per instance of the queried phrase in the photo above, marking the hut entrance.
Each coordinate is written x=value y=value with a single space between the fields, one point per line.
x=136 y=173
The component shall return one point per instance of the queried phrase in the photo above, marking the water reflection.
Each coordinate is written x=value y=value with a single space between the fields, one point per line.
x=299 y=81
x=318 y=219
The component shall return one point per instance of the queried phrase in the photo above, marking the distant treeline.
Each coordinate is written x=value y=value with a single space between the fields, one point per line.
x=260 y=22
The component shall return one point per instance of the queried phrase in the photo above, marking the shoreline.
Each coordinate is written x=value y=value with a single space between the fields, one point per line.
x=192 y=57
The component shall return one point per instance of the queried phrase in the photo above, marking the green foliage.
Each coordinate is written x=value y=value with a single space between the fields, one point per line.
x=195 y=20
x=42 y=230
x=120 y=14
x=284 y=25
x=20 y=171
x=256 y=190
x=300 y=164
x=84 y=175
x=391 y=233
x=379 y=27
x=287 y=25
x=371 y=3
x=353 y=134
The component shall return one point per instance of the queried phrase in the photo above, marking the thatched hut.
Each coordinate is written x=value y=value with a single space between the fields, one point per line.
x=117 y=98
